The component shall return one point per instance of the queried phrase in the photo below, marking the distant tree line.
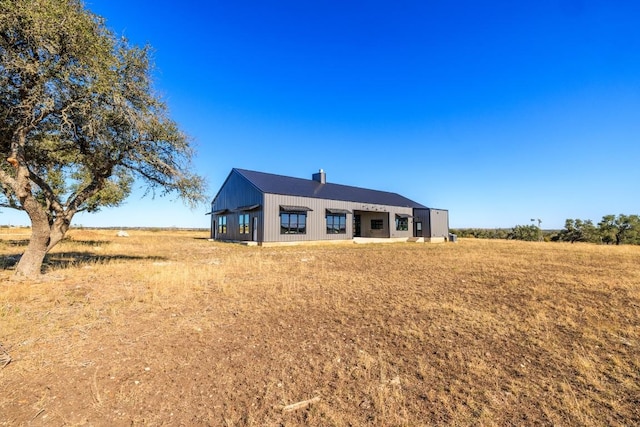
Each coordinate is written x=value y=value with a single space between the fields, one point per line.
x=482 y=233
x=611 y=230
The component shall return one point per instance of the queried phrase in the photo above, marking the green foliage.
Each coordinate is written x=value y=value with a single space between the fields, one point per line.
x=529 y=233
x=577 y=230
x=621 y=229
x=612 y=229
x=79 y=119
x=482 y=233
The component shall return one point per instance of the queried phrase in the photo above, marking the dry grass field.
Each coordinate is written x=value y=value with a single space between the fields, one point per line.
x=166 y=327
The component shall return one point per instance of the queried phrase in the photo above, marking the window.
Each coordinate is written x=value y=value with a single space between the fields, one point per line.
x=293 y=223
x=402 y=224
x=377 y=224
x=336 y=224
x=222 y=224
x=243 y=220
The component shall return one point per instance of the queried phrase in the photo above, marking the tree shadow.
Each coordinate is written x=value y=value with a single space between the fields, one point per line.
x=79 y=259
x=8 y=261
x=88 y=242
x=16 y=243
x=61 y=260
x=25 y=242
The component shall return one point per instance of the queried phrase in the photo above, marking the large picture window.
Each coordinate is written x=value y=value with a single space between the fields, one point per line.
x=402 y=223
x=222 y=225
x=293 y=223
x=243 y=221
x=336 y=224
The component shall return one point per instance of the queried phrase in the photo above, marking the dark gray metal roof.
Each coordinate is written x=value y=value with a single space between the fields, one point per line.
x=288 y=186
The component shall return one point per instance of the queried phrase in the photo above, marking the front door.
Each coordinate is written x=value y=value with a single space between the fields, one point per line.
x=417 y=228
x=356 y=226
x=255 y=229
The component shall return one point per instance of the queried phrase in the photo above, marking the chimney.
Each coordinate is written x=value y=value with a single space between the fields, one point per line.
x=320 y=177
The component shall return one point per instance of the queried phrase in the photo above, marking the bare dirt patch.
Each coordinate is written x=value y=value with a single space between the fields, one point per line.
x=169 y=328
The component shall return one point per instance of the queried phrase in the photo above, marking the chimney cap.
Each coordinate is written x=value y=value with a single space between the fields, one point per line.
x=320 y=177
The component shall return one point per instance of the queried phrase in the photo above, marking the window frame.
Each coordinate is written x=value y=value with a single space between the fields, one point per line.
x=330 y=221
x=377 y=224
x=222 y=224
x=300 y=222
x=243 y=223
x=402 y=223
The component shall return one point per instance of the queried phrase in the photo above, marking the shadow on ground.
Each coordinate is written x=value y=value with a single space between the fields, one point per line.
x=67 y=259
x=20 y=242
x=88 y=242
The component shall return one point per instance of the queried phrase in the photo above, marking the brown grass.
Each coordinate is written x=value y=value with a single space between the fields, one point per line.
x=169 y=328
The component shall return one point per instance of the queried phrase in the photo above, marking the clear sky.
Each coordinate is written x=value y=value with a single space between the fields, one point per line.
x=499 y=111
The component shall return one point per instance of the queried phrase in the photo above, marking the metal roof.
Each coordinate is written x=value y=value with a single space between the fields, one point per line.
x=289 y=186
x=289 y=208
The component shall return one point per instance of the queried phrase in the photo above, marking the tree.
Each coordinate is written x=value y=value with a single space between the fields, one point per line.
x=525 y=232
x=607 y=229
x=620 y=229
x=577 y=230
x=79 y=122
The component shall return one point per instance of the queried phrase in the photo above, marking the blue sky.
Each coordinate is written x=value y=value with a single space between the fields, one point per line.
x=498 y=111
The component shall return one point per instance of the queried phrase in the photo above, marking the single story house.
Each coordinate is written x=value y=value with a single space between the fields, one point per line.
x=266 y=208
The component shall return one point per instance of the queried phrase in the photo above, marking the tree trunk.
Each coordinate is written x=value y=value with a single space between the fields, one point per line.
x=31 y=261
x=58 y=230
x=44 y=237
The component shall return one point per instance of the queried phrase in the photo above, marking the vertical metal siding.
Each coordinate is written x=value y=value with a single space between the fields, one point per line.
x=435 y=222
x=439 y=219
x=422 y=215
x=237 y=192
x=316 y=218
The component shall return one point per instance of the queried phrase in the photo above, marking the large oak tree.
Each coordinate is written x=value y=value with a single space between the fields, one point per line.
x=79 y=121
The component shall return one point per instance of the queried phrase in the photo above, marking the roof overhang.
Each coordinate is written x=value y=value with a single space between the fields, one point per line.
x=288 y=208
x=220 y=212
x=249 y=208
x=338 y=211
x=404 y=216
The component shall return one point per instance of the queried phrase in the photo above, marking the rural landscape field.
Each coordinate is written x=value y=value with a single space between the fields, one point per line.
x=166 y=327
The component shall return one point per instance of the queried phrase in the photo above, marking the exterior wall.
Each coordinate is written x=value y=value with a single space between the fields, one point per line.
x=365 y=227
x=435 y=222
x=439 y=223
x=316 y=222
x=387 y=213
x=237 y=192
x=422 y=215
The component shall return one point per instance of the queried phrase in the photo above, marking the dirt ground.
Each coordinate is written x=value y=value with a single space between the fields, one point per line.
x=167 y=328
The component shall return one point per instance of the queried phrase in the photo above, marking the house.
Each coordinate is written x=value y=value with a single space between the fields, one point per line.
x=266 y=208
